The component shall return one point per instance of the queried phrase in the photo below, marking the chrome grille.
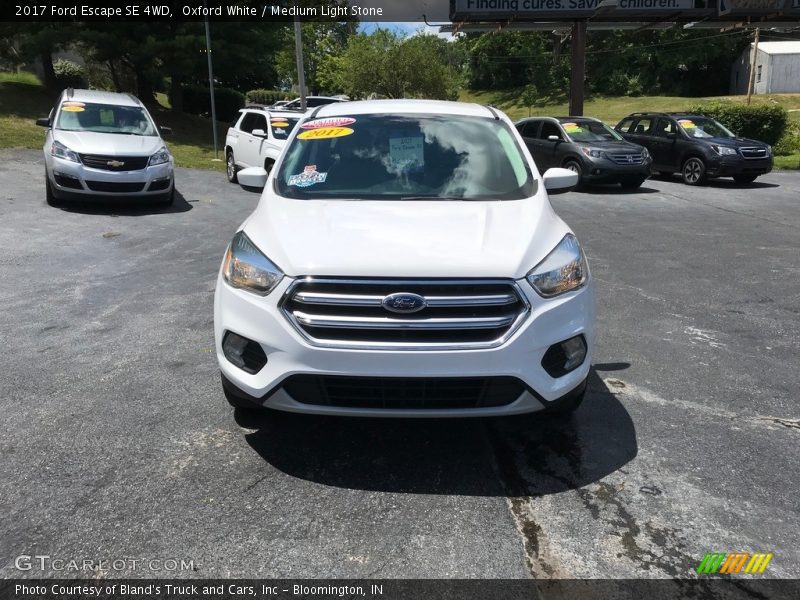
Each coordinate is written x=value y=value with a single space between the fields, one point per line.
x=457 y=314
x=115 y=163
x=627 y=158
x=753 y=152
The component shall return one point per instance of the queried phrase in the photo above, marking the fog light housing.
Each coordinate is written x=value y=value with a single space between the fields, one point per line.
x=246 y=354
x=563 y=357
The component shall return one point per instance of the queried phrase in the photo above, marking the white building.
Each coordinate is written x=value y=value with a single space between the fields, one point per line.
x=777 y=69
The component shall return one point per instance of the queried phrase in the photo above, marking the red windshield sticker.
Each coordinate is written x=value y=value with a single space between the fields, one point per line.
x=329 y=122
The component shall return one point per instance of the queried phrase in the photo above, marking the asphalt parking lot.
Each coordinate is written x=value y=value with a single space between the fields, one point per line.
x=117 y=441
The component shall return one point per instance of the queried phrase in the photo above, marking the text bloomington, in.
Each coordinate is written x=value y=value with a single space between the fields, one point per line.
x=156 y=589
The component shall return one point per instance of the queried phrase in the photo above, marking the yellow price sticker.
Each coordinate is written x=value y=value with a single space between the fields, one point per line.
x=72 y=108
x=324 y=133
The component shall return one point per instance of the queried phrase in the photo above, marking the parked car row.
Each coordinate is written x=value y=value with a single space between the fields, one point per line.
x=697 y=147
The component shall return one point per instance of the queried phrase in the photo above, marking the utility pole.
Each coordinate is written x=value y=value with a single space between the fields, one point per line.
x=753 y=60
x=211 y=87
x=578 y=71
x=298 y=52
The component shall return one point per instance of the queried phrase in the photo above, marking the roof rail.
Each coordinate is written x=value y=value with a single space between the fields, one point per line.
x=494 y=113
x=649 y=112
x=316 y=110
x=256 y=105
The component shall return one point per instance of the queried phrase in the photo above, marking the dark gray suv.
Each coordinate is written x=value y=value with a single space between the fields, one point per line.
x=698 y=147
x=597 y=153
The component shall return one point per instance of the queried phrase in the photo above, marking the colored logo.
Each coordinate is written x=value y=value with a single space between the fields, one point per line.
x=734 y=562
x=404 y=302
x=324 y=133
x=329 y=122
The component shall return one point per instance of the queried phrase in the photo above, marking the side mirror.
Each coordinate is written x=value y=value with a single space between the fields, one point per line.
x=252 y=179
x=553 y=138
x=259 y=133
x=43 y=122
x=165 y=130
x=558 y=181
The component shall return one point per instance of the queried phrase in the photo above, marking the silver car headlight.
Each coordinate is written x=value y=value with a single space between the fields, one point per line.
x=593 y=152
x=645 y=153
x=724 y=150
x=160 y=157
x=563 y=270
x=59 y=150
x=247 y=268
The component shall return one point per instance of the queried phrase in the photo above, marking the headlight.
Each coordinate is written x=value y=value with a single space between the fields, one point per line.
x=769 y=150
x=563 y=270
x=593 y=152
x=160 y=157
x=645 y=153
x=247 y=268
x=61 y=151
x=724 y=150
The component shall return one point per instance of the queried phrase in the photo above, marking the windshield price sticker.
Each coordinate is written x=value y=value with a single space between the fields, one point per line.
x=687 y=124
x=407 y=152
x=310 y=176
x=572 y=127
x=324 y=133
x=329 y=122
x=73 y=107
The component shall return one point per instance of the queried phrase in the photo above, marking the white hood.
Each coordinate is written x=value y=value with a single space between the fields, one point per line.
x=112 y=144
x=405 y=238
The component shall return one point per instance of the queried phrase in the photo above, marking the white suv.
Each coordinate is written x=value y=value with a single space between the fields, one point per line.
x=104 y=144
x=257 y=138
x=404 y=260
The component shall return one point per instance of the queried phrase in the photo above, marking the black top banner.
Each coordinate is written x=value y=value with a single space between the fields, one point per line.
x=225 y=10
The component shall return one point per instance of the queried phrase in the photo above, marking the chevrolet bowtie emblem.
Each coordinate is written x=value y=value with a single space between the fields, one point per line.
x=115 y=163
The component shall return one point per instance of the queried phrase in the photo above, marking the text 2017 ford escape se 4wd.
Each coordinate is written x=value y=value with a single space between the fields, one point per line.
x=102 y=144
x=404 y=260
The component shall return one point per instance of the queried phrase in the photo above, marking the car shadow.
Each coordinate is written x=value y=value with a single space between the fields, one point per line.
x=613 y=189
x=125 y=207
x=722 y=182
x=522 y=455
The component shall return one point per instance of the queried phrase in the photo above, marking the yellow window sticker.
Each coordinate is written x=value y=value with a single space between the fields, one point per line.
x=572 y=127
x=324 y=133
x=72 y=108
x=279 y=124
x=686 y=124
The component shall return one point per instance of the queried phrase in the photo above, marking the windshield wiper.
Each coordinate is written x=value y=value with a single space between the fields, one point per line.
x=433 y=198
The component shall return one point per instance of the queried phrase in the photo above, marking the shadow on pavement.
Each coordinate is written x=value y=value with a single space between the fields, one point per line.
x=523 y=455
x=125 y=207
x=613 y=189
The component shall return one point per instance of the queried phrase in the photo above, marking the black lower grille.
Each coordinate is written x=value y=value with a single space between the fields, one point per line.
x=403 y=392
x=119 y=187
x=115 y=163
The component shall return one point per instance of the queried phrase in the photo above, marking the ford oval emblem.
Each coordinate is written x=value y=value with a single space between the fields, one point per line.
x=404 y=302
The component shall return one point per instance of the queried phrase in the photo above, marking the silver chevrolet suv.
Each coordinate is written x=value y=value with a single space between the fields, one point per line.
x=103 y=144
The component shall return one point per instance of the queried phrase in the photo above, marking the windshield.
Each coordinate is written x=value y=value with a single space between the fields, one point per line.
x=405 y=157
x=104 y=118
x=704 y=128
x=282 y=126
x=590 y=131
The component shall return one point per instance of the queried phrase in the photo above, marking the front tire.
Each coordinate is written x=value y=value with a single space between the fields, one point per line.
x=744 y=178
x=693 y=171
x=575 y=167
x=230 y=167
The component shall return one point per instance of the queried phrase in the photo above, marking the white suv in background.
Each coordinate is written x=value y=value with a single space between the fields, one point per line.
x=257 y=138
x=104 y=144
x=404 y=261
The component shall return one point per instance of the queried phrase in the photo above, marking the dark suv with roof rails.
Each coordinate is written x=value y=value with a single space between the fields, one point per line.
x=587 y=146
x=697 y=147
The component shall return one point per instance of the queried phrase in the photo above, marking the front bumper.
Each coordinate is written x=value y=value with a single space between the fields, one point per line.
x=69 y=179
x=288 y=354
x=607 y=171
x=728 y=166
